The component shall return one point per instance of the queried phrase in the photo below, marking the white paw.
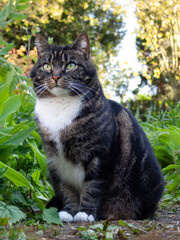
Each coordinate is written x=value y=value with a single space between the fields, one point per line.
x=65 y=216
x=83 y=217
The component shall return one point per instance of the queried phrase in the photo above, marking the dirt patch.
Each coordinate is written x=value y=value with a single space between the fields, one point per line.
x=165 y=226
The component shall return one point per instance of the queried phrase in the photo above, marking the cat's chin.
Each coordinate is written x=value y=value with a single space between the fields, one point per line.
x=58 y=91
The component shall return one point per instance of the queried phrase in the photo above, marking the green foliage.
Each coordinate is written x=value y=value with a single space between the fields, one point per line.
x=24 y=186
x=10 y=12
x=51 y=216
x=163 y=131
x=12 y=212
x=23 y=167
x=108 y=231
x=64 y=20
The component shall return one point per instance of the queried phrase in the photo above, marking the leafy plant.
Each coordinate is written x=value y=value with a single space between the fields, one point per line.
x=51 y=216
x=12 y=212
x=108 y=231
x=163 y=131
x=22 y=161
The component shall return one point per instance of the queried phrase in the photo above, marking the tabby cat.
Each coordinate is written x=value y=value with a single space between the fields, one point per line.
x=100 y=161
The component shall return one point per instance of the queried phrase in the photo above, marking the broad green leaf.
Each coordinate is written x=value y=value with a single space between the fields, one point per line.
x=109 y=235
x=39 y=156
x=169 y=167
x=10 y=106
x=9 y=132
x=18 y=138
x=17 y=178
x=4 y=14
x=17 y=198
x=51 y=216
x=21 y=7
x=18 y=16
x=3 y=170
x=4 y=221
x=2 y=41
x=36 y=176
x=38 y=201
x=97 y=226
x=175 y=137
x=4 y=93
x=23 y=1
x=122 y=223
x=12 y=212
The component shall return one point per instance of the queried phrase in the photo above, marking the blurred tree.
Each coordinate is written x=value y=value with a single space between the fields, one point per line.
x=158 y=43
x=65 y=19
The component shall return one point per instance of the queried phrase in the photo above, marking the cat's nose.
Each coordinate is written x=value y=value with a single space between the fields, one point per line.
x=56 y=78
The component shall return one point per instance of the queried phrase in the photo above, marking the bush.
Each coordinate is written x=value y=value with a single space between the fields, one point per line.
x=163 y=131
x=22 y=161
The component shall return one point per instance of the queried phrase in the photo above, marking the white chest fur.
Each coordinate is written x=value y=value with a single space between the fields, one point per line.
x=55 y=114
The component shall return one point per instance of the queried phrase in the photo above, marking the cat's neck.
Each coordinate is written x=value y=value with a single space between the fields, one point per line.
x=57 y=112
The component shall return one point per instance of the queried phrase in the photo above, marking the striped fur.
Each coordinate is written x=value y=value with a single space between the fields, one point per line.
x=101 y=163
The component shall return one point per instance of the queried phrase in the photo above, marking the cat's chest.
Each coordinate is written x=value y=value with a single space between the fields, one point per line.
x=55 y=114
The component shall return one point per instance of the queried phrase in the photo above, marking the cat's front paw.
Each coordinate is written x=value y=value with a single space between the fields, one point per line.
x=83 y=217
x=65 y=216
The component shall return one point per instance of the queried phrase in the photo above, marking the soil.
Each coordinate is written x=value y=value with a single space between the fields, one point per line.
x=164 y=226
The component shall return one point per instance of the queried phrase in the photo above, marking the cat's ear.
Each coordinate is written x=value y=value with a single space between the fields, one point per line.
x=82 y=44
x=41 y=44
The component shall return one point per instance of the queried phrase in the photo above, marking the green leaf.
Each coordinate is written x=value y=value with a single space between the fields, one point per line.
x=21 y=7
x=10 y=106
x=18 y=138
x=18 y=16
x=3 y=221
x=97 y=226
x=2 y=41
x=18 y=199
x=175 y=137
x=6 y=49
x=39 y=156
x=51 y=216
x=17 y=178
x=12 y=212
x=38 y=201
x=109 y=235
x=36 y=176
x=4 y=93
x=169 y=167
x=3 y=170
x=23 y=1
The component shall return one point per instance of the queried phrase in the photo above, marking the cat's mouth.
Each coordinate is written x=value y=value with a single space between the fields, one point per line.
x=57 y=83
x=58 y=88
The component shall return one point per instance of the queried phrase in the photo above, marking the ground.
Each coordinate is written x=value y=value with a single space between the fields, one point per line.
x=165 y=226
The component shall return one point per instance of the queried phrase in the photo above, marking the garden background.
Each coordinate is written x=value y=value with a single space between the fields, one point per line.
x=24 y=183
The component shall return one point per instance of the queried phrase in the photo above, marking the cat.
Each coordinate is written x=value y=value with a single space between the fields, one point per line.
x=100 y=161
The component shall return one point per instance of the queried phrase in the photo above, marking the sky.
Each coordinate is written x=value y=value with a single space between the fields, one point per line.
x=128 y=52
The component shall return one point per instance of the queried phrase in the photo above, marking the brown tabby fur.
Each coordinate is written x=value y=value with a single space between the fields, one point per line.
x=122 y=178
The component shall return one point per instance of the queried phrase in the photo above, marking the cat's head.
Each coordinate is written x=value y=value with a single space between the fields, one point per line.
x=63 y=70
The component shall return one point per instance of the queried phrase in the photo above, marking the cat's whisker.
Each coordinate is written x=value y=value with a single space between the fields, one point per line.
x=42 y=85
x=85 y=95
x=83 y=90
x=41 y=90
x=84 y=87
x=76 y=92
x=87 y=91
x=80 y=83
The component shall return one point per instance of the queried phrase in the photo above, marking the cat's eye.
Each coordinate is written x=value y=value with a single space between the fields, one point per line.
x=70 y=66
x=47 y=67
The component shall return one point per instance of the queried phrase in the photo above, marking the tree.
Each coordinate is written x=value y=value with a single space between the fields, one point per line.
x=65 y=19
x=158 y=44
